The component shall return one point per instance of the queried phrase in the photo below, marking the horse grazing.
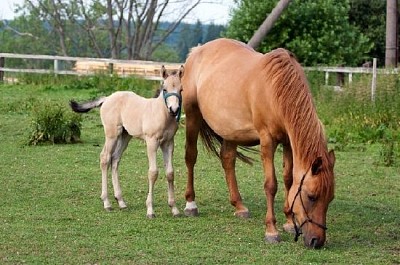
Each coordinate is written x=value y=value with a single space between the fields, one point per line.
x=236 y=97
x=125 y=115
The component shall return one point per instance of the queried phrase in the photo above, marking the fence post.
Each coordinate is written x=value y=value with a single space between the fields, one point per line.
x=2 y=60
x=56 y=66
x=373 y=85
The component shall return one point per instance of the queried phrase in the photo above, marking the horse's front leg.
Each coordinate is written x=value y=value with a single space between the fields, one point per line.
x=193 y=122
x=288 y=180
x=268 y=147
x=168 y=151
x=228 y=159
x=152 y=146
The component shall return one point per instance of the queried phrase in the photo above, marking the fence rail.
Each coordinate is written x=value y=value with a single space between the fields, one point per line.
x=89 y=66
x=151 y=70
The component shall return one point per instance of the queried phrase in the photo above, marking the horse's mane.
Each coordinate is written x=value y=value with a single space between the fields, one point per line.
x=293 y=98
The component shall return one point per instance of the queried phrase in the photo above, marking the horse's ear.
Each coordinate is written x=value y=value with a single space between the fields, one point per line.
x=316 y=166
x=164 y=73
x=181 y=71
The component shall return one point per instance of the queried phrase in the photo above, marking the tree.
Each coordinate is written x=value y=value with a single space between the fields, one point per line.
x=318 y=32
x=130 y=25
x=268 y=23
x=391 y=34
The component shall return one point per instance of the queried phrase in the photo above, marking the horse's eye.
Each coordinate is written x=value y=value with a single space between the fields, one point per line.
x=312 y=198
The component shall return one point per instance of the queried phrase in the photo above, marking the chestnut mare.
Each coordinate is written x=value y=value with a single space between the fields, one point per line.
x=125 y=115
x=234 y=96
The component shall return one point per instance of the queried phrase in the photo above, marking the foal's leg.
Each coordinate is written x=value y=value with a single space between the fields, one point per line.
x=168 y=151
x=228 y=159
x=152 y=146
x=268 y=147
x=122 y=143
x=288 y=180
x=105 y=160
x=193 y=123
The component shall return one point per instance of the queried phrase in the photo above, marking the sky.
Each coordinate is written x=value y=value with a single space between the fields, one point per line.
x=217 y=13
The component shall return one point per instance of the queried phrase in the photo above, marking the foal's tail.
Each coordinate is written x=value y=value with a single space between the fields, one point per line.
x=212 y=141
x=86 y=106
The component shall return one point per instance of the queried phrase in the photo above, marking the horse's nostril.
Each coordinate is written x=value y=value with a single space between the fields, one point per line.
x=314 y=242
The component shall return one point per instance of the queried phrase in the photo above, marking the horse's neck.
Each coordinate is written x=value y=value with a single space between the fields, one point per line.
x=307 y=142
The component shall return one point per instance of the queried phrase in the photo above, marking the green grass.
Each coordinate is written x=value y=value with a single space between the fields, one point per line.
x=51 y=212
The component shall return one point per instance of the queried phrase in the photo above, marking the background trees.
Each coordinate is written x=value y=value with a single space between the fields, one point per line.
x=318 y=32
x=329 y=32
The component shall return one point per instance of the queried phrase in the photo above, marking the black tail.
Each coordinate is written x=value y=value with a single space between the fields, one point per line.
x=86 y=106
x=213 y=142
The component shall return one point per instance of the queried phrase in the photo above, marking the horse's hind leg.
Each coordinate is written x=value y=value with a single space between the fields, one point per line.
x=288 y=180
x=152 y=146
x=168 y=150
x=228 y=159
x=122 y=143
x=105 y=160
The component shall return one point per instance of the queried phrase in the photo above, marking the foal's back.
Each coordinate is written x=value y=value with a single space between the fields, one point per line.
x=140 y=117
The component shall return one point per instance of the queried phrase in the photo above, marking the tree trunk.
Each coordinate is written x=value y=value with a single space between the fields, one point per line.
x=391 y=34
x=268 y=23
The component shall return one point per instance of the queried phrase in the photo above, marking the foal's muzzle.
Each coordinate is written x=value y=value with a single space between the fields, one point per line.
x=177 y=111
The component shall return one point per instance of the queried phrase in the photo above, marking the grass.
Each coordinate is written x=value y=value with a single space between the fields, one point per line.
x=51 y=212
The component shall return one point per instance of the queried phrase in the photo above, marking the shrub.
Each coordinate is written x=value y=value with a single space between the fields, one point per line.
x=52 y=123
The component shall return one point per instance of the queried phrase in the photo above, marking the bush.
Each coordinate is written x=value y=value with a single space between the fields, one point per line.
x=52 y=123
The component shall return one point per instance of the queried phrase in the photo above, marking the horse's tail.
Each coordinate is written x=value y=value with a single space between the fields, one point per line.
x=213 y=142
x=86 y=106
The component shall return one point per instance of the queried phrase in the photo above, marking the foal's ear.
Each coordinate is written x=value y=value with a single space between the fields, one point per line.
x=164 y=73
x=316 y=166
x=181 y=71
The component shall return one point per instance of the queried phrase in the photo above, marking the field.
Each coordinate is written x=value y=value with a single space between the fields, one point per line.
x=51 y=212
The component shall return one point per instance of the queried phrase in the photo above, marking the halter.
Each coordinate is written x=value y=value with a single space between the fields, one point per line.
x=308 y=219
x=179 y=96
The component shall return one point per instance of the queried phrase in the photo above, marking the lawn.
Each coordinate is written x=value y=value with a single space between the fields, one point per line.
x=51 y=212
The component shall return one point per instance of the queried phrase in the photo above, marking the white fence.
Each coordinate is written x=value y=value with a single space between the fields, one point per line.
x=150 y=70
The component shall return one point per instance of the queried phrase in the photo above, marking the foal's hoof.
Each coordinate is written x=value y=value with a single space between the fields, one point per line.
x=108 y=209
x=191 y=212
x=272 y=239
x=289 y=228
x=242 y=214
x=151 y=216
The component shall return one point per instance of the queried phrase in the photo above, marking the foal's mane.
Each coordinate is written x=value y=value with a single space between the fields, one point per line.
x=293 y=97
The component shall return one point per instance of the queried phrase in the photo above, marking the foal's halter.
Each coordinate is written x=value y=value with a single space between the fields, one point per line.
x=308 y=219
x=166 y=95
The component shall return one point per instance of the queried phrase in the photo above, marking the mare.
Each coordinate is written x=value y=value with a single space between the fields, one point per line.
x=236 y=97
x=124 y=115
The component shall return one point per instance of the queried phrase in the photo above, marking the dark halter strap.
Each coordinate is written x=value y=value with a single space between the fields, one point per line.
x=308 y=219
x=179 y=96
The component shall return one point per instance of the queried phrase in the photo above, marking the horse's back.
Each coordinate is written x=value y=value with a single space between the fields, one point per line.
x=218 y=79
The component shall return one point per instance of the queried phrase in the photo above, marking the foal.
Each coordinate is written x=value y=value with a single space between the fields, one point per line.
x=125 y=115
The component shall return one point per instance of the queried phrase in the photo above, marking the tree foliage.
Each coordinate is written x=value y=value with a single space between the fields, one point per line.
x=318 y=32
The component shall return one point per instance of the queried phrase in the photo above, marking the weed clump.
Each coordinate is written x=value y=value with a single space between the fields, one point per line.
x=52 y=123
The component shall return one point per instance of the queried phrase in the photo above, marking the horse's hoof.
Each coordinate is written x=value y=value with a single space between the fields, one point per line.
x=108 y=209
x=192 y=212
x=151 y=216
x=243 y=214
x=272 y=239
x=176 y=215
x=289 y=228
x=123 y=208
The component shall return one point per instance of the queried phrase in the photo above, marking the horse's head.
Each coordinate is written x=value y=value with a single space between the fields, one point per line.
x=309 y=198
x=171 y=90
